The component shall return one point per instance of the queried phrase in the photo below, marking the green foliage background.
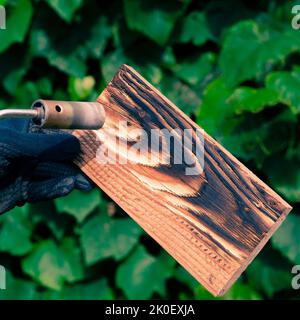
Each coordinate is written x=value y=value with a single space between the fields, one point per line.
x=233 y=66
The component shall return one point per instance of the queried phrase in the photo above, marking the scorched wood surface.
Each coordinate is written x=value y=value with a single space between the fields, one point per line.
x=213 y=223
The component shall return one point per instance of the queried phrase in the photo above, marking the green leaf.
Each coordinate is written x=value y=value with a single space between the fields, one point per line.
x=81 y=89
x=44 y=86
x=252 y=100
x=284 y=176
x=17 y=24
x=199 y=292
x=52 y=266
x=215 y=103
x=179 y=93
x=154 y=18
x=65 y=9
x=14 y=66
x=286 y=84
x=61 y=57
x=287 y=239
x=193 y=71
x=17 y=289
x=194 y=29
x=202 y=294
x=151 y=72
x=25 y=94
x=13 y=79
x=251 y=50
x=95 y=290
x=183 y=276
x=167 y=58
x=43 y=214
x=104 y=237
x=267 y=278
x=46 y=265
x=15 y=232
x=100 y=34
x=142 y=274
x=247 y=138
x=73 y=261
x=79 y=204
x=111 y=63
x=240 y=291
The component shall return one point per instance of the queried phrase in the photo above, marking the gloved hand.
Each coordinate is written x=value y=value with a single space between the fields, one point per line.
x=36 y=166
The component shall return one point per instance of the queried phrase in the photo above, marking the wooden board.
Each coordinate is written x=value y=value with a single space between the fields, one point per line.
x=213 y=223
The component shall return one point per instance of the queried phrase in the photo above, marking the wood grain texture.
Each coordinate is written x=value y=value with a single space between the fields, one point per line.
x=213 y=223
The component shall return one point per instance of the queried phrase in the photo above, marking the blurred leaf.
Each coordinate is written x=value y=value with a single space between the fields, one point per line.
x=267 y=278
x=13 y=79
x=202 y=294
x=100 y=33
x=251 y=50
x=199 y=292
x=179 y=93
x=44 y=214
x=26 y=93
x=195 y=29
x=253 y=100
x=287 y=239
x=155 y=19
x=250 y=138
x=73 y=260
x=111 y=63
x=17 y=24
x=96 y=290
x=240 y=291
x=286 y=84
x=65 y=9
x=17 y=289
x=284 y=176
x=46 y=265
x=13 y=66
x=215 y=103
x=168 y=58
x=44 y=86
x=80 y=89
x=150 y=72
x=141 y=274
x=15 y=232
x=194 y=70
x=64 y=60
x=183 y=276
x=79 y=204
x=51 y=266
x=104 y=237
x=221 y=15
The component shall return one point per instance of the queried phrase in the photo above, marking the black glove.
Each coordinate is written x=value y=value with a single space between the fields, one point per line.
x=36 y=166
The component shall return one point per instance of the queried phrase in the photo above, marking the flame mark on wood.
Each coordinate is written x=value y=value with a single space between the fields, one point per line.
x=213 y=223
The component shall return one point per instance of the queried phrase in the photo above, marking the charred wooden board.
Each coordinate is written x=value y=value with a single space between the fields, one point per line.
x=213 y=222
